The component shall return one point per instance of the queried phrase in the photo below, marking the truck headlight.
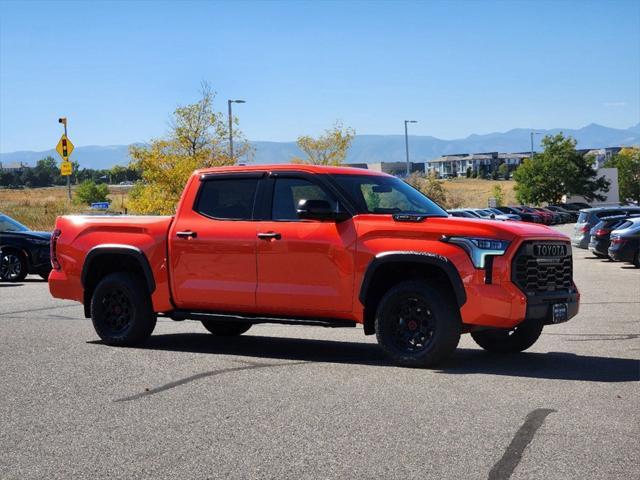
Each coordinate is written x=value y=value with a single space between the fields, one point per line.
x=479 y=249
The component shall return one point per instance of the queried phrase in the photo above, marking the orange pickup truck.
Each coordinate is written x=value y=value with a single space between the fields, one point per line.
x=311 y=245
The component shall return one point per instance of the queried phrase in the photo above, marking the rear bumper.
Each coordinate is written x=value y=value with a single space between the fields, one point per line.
x=582 y=241
x=598 y=248
x=621 y=254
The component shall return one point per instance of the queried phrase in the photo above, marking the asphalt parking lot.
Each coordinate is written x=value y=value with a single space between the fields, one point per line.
x=308 y=402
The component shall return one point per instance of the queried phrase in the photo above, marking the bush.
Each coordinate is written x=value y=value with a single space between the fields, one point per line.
x=498 y=194
x=88 y=192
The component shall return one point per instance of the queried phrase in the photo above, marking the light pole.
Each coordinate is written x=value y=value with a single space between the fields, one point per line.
x=532 y=133
x=229 y=102
x=406 y=143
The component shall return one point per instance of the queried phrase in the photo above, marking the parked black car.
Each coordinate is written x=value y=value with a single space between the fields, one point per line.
x=625 y=243
x=461 y=213
x=573 y=214
x=526 y=217
x=601 y=234
x=23 y=251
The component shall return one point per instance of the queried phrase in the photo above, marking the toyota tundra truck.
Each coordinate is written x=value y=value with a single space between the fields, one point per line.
x=315 y=245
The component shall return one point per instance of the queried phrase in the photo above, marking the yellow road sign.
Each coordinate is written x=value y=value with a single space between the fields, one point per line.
x=64 y=148
x=65 y=169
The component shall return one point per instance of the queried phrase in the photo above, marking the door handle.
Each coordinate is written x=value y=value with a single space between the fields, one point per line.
x=269 y=236
x=187 y=234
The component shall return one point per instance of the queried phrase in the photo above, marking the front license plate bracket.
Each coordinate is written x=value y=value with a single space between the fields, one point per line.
x=559 y=312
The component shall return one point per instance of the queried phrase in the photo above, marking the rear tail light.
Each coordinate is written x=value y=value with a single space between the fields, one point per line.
x=617 y=241
x=601 y=232
x=584 y=228
x=54 y=244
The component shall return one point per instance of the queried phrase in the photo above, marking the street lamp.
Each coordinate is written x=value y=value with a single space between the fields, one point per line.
x=532 y=133
x=406 y=143
x=229 y=102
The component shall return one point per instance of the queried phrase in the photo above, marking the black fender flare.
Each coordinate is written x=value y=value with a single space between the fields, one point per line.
x=135 y=253
x=424 y=258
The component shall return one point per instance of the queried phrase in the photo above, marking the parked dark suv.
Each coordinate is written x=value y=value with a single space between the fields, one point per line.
x=625 y=243
x=601 y=234
x=590 y=216
x=23 y=251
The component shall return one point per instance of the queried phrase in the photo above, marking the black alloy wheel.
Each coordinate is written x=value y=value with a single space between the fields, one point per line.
x=417 y=325
x=121 y=310
x=13 y=267
x=115 y=310
x=414 y=326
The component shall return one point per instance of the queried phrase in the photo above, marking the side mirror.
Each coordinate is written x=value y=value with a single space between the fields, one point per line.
x=318 y=210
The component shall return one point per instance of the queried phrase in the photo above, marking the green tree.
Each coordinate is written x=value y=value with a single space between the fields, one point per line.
x=197 y=139
x=45 y=172
x=627 y=161
x=559 y=170
x=503 y=170
x=328 y=149
x=468 y=173
x=89 y=192
x=498 y=194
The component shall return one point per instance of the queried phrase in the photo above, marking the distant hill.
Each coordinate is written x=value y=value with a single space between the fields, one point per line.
x=373 y=148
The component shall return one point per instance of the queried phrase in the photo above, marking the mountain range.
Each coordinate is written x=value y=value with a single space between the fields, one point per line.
x=373 y=148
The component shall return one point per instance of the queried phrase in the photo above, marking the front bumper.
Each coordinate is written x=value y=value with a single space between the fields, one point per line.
x=506 y=301
x=540 y=307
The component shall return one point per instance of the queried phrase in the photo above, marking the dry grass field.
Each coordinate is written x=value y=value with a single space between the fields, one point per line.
x=474 y=193
x=38 y=208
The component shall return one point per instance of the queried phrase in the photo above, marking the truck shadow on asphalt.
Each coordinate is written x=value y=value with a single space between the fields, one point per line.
x=465 y=361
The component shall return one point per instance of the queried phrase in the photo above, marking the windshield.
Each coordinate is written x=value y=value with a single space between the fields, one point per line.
x=386 y=195
x=10 y=225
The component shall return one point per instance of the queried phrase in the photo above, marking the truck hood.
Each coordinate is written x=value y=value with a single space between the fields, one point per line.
x=460 y=226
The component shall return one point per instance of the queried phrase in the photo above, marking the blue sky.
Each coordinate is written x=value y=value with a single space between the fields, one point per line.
x=117 y=69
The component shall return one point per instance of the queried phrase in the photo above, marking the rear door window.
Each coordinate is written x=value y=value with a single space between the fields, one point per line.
x=227 y=198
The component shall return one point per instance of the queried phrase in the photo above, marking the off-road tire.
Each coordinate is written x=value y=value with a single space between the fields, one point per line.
x=121 y=310
x=515 y=340
x=417 y=325
x=229 y=328
x=13 y=266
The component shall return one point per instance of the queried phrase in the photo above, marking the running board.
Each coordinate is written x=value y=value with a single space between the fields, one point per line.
x=179 y=315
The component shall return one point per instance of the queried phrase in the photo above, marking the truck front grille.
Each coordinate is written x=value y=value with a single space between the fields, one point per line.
x=538 y=270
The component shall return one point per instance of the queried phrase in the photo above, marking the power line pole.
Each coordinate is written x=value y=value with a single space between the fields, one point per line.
x=406 y=144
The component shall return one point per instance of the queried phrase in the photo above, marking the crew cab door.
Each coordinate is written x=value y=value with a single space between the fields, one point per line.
x=212 y=245
x=305 y=267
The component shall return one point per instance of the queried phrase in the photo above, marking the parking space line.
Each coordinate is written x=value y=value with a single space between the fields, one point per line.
x=505 y=467
x=39 y=309
x=177 y=383
x=602 y=337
